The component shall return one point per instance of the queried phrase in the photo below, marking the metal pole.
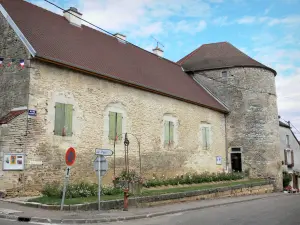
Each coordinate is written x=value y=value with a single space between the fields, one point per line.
x=65 y=188
x=99 y=181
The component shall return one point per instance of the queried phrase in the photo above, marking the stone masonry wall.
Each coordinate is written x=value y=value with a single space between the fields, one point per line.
x=252 y=123
x=14 y=82
x=12 y=140
x=144 y=113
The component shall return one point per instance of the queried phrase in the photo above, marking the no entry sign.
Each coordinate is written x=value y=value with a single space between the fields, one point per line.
x=70 y=156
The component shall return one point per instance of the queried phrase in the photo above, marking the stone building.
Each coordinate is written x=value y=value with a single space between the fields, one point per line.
x=290 y=152
x=81 y=88
x=247 y=88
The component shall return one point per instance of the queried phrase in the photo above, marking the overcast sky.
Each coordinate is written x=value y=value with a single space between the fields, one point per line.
x=267 y=30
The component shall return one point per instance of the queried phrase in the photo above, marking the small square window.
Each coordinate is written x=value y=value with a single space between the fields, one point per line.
x=224 y=74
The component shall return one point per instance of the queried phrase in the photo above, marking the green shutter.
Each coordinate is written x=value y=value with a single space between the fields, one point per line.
x=59 y=118
x=112 y=125
x=68 y=119
x=167 y=132
x=171 y=132
x=119 y=125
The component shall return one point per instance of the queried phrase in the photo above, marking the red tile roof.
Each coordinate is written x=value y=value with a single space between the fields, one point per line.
x=218 y=56
x=92 y=51
x=11 y=115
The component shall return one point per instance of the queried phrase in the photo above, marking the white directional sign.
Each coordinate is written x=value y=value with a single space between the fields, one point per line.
x=104 y=152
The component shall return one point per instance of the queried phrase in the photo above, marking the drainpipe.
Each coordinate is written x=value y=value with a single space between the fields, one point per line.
x=226 y=147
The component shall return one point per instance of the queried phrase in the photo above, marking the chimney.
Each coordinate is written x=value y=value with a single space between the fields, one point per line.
x=74 y=19
x=120 y=37
x=159 y=52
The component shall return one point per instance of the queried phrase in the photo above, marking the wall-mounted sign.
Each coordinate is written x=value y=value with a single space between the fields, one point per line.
x=13 y=161
x=219 y=160
x=32 y=112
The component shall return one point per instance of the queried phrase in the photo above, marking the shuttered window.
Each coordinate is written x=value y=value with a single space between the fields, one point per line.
x=169 y=132
x=115 y=126
x=205 y=138
x=63 y=119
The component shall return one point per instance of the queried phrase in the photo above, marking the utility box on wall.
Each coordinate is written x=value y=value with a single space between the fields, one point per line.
x=13 y=161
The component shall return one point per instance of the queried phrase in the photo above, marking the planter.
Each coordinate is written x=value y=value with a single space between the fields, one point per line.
x=122 y=184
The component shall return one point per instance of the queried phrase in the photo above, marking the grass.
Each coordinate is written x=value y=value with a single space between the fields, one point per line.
x=145 y=192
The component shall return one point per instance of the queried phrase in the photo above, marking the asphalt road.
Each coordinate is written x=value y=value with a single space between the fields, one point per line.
x=275 y=210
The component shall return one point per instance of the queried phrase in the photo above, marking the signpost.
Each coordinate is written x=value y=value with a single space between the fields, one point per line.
x=70 y=160
x=101 y=166
x=104 y=152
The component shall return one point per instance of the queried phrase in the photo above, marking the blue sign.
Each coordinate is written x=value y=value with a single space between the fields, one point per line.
x=31 y=112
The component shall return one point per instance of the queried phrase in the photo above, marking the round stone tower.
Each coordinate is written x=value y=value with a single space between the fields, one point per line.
x=247 y=88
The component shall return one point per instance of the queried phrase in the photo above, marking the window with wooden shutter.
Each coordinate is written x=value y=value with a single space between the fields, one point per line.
x=205 y=138
x=169 y=132
x=285 y=157
x=63 y=119
x=115 y=126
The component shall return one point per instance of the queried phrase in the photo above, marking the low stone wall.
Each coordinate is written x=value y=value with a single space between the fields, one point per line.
x=146 y=201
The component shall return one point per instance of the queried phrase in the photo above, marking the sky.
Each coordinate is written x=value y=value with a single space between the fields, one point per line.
x=266 y=30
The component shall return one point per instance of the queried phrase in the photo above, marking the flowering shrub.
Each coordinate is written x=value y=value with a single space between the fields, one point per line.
x=78 y=190
x=192 y=179
x=132 y=177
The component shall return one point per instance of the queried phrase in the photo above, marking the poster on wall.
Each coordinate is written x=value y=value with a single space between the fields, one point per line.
x=13 y=161
x=219 y=160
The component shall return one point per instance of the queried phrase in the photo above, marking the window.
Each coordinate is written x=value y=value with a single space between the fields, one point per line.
x=224 y=74
x=287 y=139
x=169 y=132
x=63 y=119
x=289 y=158
x=115 y=126
x=205 y=137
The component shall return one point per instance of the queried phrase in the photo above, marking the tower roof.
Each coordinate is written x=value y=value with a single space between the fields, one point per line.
x=219 y=55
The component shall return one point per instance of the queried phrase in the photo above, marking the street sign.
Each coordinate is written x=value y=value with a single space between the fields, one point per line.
x=68 y=172
x=104 y=152
x=70 y=156
x=32 y=112
x=101 y=162
x=101 y=166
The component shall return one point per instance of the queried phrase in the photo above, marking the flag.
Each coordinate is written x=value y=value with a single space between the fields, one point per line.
x=1 y=61
x=10 y=62
x=22 y=63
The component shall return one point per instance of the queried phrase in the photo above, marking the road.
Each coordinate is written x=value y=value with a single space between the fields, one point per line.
x=275 y=210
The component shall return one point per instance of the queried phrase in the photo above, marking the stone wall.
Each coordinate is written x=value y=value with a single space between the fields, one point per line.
x=252 y=124
x=144 y=113
x=14 y=82
x=12 y=140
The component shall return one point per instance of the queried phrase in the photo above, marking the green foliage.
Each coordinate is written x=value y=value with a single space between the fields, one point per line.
x=286 y=178
x=78 y=190
x=130 y=176
x=52 y=189
x=193 y=179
